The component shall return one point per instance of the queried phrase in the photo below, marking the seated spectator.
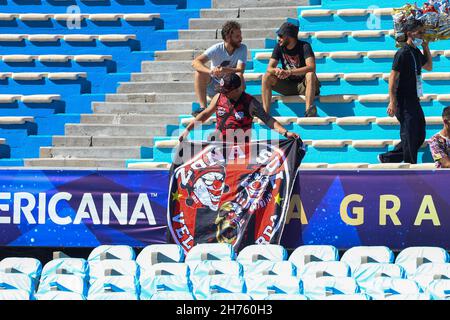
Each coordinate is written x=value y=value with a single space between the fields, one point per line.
x=226 y=57
x=440 y=143
x=298 y=73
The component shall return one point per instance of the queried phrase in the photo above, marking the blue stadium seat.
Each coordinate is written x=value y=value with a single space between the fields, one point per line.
x=114 y=288
x=15 y=294
x=264 y=252
x=356 y=256
x=17 y=281
x=209 y=251
x=285 y=297
x=428 y=272
x=159 y=253
x=413 y=257
x=28 y=266
x=318 y=269
x=107 y=252
x=439 y=289
x=112 y=267
x=310 y=253
x=355 y=296
x=319 y=288
x=219 y=283
x=165 y=277
x=62 y=283
x=172 y=295
x=230 y=296
x=382 y=287
x=264 y=267
x=73 y=266
x=369 y=271
x=260 y=286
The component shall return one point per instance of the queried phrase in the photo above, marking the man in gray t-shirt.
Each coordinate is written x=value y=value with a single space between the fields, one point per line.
x=228 y=56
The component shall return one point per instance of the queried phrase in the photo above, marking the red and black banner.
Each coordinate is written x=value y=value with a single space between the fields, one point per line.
x=231 y=193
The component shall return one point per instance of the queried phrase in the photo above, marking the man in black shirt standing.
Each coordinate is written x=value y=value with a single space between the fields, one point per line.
x=405 y=90
x=298 y=73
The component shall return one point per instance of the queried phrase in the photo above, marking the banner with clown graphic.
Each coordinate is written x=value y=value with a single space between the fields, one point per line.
x=231 y=193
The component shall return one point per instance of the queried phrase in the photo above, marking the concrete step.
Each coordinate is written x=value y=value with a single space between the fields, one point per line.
x=203 y=44
x=86 y=141
x=131 y=97
x=166 y=66
x=121 y=152
x=177 y=55
x=129 y=119
x=75 y=163
x=141 y=87
x=142 y=108
x=247 y=23
x=258 y=3
x=114 y=130
x=234 y=13
x=247 y=34
x=162 y=76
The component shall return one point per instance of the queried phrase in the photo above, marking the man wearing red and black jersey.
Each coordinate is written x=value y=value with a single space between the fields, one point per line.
x=235 y=110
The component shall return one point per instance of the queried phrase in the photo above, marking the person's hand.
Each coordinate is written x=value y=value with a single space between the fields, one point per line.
x=292 y=135
x=183 y=136
x=217 y=72
x=284 y=74
x=392 y=109
x=425 y=44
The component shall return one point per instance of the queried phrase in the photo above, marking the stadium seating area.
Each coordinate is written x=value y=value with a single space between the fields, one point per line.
x=216 y=272
x=110 y=83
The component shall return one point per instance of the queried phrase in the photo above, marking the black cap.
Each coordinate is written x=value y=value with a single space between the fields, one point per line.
x=228 y=83
x=288 y=29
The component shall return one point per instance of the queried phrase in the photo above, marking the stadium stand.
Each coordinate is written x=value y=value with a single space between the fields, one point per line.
x=73 y=279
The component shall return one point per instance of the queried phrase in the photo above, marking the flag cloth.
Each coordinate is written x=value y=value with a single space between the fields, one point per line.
x=231 y=193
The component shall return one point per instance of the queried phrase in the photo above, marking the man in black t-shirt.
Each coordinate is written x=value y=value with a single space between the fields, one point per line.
x=298 y=73
x=405 y=90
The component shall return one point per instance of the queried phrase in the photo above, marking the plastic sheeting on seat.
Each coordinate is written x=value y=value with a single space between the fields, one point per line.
x=159 y=253
x=15 y=294
x=260 y=286
x=413 y=257
x=211 y=267
x=74 y=266
x=105 y=252
x=29 y=266
x=206 y=286
x=114 y=284
x=439 y=289
x=165 y=277
x=209 y=251
x=102 y=268
x=264 y=252
x=428 y=272
x=310 y=253
x=64 y=283
x=16 y=281
x=113 y=296
x=263 y=267
x=318 y=288
x=382 y=287
x=356 y=256
x=324 y=269
x=356 y=296
x=369 y=271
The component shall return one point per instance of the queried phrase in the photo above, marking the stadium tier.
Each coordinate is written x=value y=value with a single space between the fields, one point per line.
x=216 y=272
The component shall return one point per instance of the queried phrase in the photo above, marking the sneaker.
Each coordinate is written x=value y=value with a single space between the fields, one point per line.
x=197 y=112
x=311 y=112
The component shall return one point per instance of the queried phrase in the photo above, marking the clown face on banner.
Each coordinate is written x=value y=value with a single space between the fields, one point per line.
x=215 y=194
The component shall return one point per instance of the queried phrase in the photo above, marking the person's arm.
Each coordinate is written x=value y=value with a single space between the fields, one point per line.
x=393 y=83
x=428 y=58
x=438 y=154
x=201 y=117
x=310 y=67
x=199 y=64
x=257 y=110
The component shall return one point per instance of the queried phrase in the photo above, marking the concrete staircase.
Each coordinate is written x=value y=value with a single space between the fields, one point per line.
x=124 y=125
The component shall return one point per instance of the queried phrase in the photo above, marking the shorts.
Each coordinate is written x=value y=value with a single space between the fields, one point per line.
x=293 y=88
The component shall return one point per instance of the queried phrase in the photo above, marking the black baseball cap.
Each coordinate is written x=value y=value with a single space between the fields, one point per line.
x=228 y=83
x=288 y=29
